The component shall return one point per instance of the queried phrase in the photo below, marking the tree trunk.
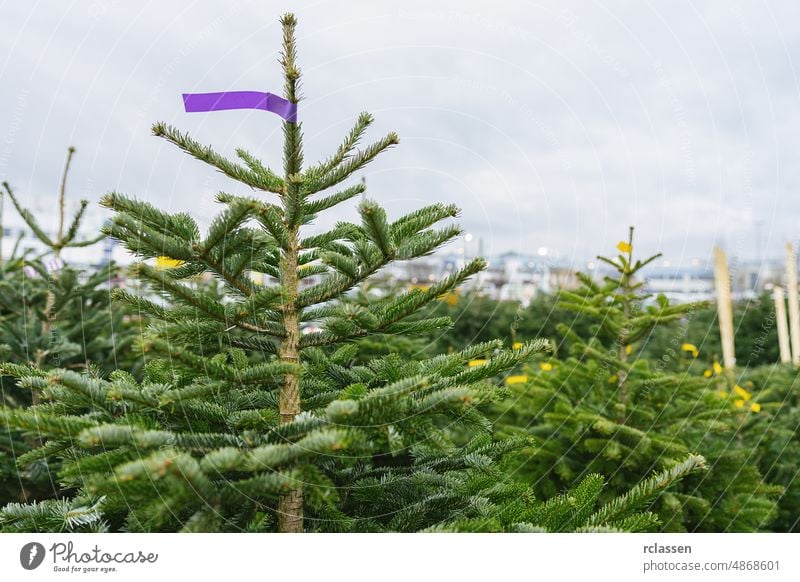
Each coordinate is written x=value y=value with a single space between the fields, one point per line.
x=290 y=506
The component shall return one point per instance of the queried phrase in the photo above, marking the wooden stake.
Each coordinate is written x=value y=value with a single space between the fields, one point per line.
x=794 y=305
x=783 y=328
x=722 y=282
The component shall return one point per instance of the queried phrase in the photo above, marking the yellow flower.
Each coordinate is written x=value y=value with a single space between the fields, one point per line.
x=717 y=368
x=755 y=407
x=738 y=403
x=628 y=349
x=744 y=394
x=545 y=366
x=517 y=345
x=167 y=263
x=613 y=378
x=708 y=373
x=624 y=247
x=473 y=363
x=722 y=393
x=521 y=379
x=691 y=348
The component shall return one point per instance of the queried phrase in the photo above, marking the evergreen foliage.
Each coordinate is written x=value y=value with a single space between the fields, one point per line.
x=754 y=328
x=254 y=413
x=775 y=434
x=356 y=475
x=605 y=410
x=477 y=318
x=52 y=515
x=52 y=316
x=415 y=347
x=480 y=318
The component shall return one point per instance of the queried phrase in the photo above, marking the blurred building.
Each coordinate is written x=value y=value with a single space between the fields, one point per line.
x=510 y=276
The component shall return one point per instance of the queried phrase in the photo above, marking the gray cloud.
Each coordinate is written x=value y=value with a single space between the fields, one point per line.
x=552 y=123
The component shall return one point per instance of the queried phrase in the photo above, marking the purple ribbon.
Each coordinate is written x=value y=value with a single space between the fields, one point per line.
x=197 y=102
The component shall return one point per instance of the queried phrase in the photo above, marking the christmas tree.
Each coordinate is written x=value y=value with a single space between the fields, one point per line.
x=775 y=432
x=369 y=295
x=605 y=410
x=53 y=315
x=255 y=413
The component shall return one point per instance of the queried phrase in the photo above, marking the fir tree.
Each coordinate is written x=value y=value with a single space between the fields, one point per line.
x=606 y=410
x=247 y=420
x=479 y=318
x=370 y=295
x=52 y=316
x=775 y=434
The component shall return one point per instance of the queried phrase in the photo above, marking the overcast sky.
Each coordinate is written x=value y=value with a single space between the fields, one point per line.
x=552 y=124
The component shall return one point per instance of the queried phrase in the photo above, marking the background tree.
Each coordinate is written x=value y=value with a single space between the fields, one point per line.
x=754 y=327
x=606 y=410
x=478 y=318
x=53 y=315
x=775 y=434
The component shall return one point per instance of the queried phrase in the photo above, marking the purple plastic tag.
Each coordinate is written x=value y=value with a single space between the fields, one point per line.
x=198 y=102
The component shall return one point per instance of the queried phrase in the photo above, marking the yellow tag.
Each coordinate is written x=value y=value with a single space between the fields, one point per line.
x=474 y=363
x=517 y=345
x=755 y=407
x=628 y=349
x=451 y=297
x=717 y=368
x=521 y=379
x=738 y=403
x=545 y=366
x=691 y=348
x=167 y=263
x=744 y=394
x=624 y=247
x=707 y=373
x=613 y=378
